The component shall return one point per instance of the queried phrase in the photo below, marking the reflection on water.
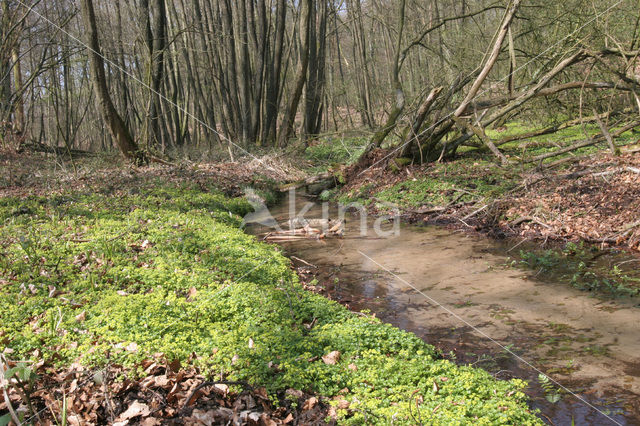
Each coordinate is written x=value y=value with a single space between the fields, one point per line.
x=564 y=332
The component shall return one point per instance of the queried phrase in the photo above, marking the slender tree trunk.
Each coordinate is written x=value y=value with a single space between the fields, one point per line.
x=399 y=104
x=5 y=69
x=119 y=131
x=315 y=84
x=301 y=77
x=272 y=101
x=18 y=102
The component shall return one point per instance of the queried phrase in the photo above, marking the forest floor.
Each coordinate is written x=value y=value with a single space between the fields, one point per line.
x=131 y=295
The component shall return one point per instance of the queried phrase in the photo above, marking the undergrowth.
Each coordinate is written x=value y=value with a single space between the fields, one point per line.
x=119 y=278
x=331 y=151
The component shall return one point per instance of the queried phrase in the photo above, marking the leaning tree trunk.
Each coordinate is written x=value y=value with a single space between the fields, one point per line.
x=119 y=131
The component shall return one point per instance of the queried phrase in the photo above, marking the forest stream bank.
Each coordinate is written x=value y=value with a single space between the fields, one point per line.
x=481 y=308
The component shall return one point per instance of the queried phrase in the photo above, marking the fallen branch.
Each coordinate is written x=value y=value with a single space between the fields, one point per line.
x=583 y=143
x=322 y=177
x=429 y=210
x=607 y=135
x=472 y=214
x=480 y=133
x=524 y=219
x=303 y=261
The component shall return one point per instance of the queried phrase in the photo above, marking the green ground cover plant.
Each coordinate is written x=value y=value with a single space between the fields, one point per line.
x=120 y=277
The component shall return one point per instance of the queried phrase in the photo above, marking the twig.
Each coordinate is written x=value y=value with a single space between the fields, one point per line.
x=472 y=214
x=13 y=414
x=304 y=261
x=529 y=219
x=517 y=245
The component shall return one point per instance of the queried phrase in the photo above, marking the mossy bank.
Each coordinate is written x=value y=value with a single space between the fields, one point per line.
x=96 y=278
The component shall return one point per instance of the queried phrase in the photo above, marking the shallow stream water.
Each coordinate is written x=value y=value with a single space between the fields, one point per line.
x=456 y=291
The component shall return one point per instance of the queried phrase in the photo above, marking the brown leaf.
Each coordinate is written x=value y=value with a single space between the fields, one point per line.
x=218 y=416
x=175 y=365
x=53 y=291
x=81 y=316
x=343 y=404
x=310 y=403
x=191 y=295
x=135 y=409
x=265 y=420
x=332 y=358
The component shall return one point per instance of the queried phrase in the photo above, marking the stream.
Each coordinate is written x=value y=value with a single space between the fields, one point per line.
x=456 y=292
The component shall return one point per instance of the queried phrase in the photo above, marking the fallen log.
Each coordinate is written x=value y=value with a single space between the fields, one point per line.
x=325 y=180
x=583 y=143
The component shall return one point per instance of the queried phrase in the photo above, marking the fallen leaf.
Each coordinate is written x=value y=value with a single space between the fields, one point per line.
x=343 y=404
x=332 y=358
x=135 y=409
x=310 y=403
x=266 y=421
x=192 y=294
x=81 y=316
x=53 y=291
x=221 y=387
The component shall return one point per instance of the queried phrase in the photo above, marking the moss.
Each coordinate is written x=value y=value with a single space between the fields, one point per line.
x=93 y=278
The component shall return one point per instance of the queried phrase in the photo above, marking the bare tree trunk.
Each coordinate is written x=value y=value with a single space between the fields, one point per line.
x=18 y=103
x=493 y=57
x=399 y=104
x=5 y=69
x=412 y=136
x=121 y=134
x=287 y=123
x=315 y=86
